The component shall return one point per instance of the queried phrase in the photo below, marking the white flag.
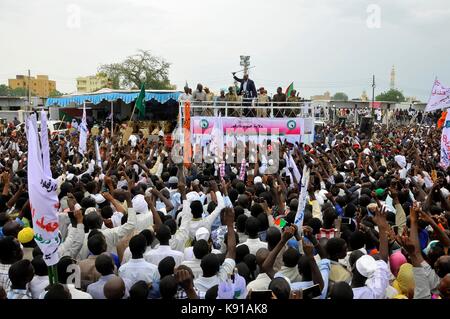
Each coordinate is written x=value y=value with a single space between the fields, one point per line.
x=440 y=97
x=445 y=143
x=291 y=163
x=44 y=202
x=82 y=148
x=302 y=198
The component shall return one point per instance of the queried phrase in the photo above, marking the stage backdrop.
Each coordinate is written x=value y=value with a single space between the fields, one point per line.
x=253 y=128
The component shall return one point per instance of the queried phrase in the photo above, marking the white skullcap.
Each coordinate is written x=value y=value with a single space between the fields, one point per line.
x=202 y=233
x=99 y=198
x=401 y=160
x=366 y=265
x=257 y=180
x=192 y=196
x=90 y=210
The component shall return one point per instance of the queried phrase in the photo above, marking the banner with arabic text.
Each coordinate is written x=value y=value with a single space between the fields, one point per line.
x=42 y=187
x=439 y=98
x=248 y=128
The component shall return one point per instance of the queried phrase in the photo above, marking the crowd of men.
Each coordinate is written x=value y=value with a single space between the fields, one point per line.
x=141 y=226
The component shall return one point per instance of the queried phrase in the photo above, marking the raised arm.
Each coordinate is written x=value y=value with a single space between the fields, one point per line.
x=231 y=237
x=267 y=266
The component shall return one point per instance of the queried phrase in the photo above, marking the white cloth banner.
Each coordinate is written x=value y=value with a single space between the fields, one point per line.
x=302 y=198
x=445 y=143
x=291 y=163
x=82 y=148
x=44 y=202
x=440 y=97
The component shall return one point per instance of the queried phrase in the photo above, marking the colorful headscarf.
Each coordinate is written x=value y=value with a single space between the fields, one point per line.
x=405 y=281
x=396 y=260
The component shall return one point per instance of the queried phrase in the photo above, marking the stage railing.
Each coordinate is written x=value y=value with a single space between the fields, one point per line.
x=252 y=109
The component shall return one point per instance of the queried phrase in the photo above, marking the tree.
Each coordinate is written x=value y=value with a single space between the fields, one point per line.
x=4 y=90
x=143 y=66
x=19 y=92
x=392 y=95
x=340 y=96
x=55 y=93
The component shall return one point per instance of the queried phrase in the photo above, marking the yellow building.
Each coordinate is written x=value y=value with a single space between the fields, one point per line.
x=92 y=83
x=40 y=85
x=325 y=96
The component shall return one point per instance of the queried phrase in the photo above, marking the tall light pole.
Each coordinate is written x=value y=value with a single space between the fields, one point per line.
x=245 y=62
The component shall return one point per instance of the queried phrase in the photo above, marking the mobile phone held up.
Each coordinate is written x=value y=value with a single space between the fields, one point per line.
x=312 y=292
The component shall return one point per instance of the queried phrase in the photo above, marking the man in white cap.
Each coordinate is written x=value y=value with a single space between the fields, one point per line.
x=371 y=277
x=144 y=219
x=201 y=233
x=196 y=210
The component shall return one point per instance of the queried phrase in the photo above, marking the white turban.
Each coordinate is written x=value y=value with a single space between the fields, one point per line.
x=139 y=204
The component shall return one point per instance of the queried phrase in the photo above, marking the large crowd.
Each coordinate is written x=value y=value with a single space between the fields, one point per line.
x=141 y=226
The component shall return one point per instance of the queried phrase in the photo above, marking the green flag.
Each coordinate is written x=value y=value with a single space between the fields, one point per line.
x=140 y=105
x=289 y=90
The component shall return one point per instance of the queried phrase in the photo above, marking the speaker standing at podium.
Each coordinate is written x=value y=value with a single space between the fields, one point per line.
x=248 y=92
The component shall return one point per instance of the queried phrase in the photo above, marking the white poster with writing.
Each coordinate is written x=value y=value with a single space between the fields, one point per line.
x=44 y=202
x=440 y=97
x=445 y=143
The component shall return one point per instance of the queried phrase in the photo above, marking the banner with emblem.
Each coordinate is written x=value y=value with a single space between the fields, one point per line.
x=42 y=187
x=291 y=129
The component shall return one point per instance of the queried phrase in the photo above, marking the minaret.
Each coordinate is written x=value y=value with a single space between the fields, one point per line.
x=392 y=78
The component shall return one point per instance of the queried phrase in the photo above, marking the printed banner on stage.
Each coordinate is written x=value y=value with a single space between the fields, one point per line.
x=445 y=143
x=42 y=187
x=245 y=129
x=440 y=97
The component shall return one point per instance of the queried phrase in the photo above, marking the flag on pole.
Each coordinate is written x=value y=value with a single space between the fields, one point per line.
x=140 y=105
x=42 y=187
x=187 y=149
x=291 y=163
x=302 y=198
x=82 y=148
x=289 y=89
x=445 y=143
x=439 y=98
x=441 y=120
x=280 y=222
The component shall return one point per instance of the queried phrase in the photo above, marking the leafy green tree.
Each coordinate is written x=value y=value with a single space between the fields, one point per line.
x=143 y=66
x=4 y=90
x=340 y=96
x=55 y=93
x=392 y=95
x=19 y=92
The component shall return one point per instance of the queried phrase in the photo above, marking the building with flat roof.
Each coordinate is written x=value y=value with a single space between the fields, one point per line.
x=39 y=86
x=92 y=83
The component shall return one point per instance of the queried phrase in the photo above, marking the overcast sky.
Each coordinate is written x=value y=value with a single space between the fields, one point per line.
x=333 y=45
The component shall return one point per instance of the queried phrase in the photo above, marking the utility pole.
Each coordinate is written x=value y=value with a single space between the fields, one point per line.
x=373 y=95
x=29 y=92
